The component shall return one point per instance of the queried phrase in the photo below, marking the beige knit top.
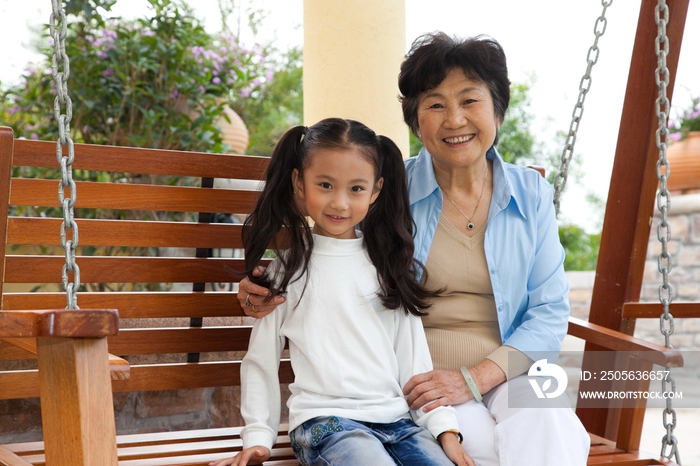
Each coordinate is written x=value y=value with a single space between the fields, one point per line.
x=462 y=325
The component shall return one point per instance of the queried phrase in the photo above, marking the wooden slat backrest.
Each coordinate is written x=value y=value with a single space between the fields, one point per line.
x=144 y=161
x=123 y=228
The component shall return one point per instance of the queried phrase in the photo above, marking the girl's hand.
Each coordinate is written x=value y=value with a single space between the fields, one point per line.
x=436 y=388
x=454 y=451
x=255 y=296
x=252 y=455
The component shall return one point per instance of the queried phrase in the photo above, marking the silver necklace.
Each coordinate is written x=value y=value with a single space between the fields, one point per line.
x=470 y=224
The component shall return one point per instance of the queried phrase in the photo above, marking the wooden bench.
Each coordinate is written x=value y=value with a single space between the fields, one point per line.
x=141 y=211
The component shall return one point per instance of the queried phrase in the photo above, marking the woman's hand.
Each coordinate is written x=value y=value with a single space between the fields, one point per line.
x=436 y=388
x=454 y=451
x=444 y=388
x=252 y=455
x=252 y=297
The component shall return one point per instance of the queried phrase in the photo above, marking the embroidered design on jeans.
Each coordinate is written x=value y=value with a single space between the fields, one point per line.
x=298 y=450
x=318 y=431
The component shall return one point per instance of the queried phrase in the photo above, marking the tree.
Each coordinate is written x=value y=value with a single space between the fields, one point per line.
x=276 y=107
x=581 y=247
x=516 y=141
x=159 y=81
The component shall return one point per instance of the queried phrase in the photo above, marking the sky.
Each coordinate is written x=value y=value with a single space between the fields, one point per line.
x=545 y=39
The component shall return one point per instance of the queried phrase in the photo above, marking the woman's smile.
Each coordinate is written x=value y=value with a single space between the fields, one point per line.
x=456 y=140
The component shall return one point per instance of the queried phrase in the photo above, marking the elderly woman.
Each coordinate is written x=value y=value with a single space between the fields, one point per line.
x=487 y=234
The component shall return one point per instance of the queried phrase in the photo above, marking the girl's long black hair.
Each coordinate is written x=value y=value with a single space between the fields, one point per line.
x=387 y=230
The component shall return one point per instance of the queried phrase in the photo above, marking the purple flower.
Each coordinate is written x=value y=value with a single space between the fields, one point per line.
x=245 y=92
x=12 y=110
x=108 y=34
x=108 y=72
x=216 y=80
x=675 y=136
x=34 y=136
x=175 y=94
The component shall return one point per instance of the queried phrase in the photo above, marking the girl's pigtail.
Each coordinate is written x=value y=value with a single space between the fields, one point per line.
x=275 y=210
x=388 y=231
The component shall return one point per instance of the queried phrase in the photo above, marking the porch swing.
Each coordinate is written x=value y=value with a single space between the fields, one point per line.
x=72 y=344
x=640 y=167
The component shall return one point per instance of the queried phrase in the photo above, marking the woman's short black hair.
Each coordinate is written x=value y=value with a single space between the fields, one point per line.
x=434 y=54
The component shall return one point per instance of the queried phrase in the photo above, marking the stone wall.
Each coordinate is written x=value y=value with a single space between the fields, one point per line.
x=684 y=220
x=684 y=247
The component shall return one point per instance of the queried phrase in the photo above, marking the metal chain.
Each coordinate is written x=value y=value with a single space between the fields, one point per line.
x=663 y=230
x=584 y=86
x=58 y=26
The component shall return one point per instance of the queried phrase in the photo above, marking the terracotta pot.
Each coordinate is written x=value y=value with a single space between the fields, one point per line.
x=684 y=159
x=233 y=132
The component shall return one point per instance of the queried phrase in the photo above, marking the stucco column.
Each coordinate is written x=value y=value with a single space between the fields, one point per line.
x=352 y=53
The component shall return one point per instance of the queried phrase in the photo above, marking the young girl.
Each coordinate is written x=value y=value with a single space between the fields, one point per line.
x=351 y=314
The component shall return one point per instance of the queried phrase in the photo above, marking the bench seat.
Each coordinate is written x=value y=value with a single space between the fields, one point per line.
x=199 y=447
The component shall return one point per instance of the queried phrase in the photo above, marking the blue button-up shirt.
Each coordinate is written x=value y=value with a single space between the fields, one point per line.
x=523 y=252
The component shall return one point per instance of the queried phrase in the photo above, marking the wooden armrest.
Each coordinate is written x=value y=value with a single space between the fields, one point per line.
x=119 y=368
x=70 y=323
x=619 y=341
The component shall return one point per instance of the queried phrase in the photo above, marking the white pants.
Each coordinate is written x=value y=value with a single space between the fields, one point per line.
x=498 y=435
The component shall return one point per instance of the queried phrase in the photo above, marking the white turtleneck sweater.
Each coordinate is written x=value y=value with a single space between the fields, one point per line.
x=351 y=356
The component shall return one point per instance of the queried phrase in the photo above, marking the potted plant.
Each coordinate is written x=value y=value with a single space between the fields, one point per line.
x=684 y=152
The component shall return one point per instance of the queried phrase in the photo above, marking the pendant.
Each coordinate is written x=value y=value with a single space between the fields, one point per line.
x=470 y=225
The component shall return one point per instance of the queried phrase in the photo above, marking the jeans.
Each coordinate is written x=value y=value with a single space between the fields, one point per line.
x=338 y=441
